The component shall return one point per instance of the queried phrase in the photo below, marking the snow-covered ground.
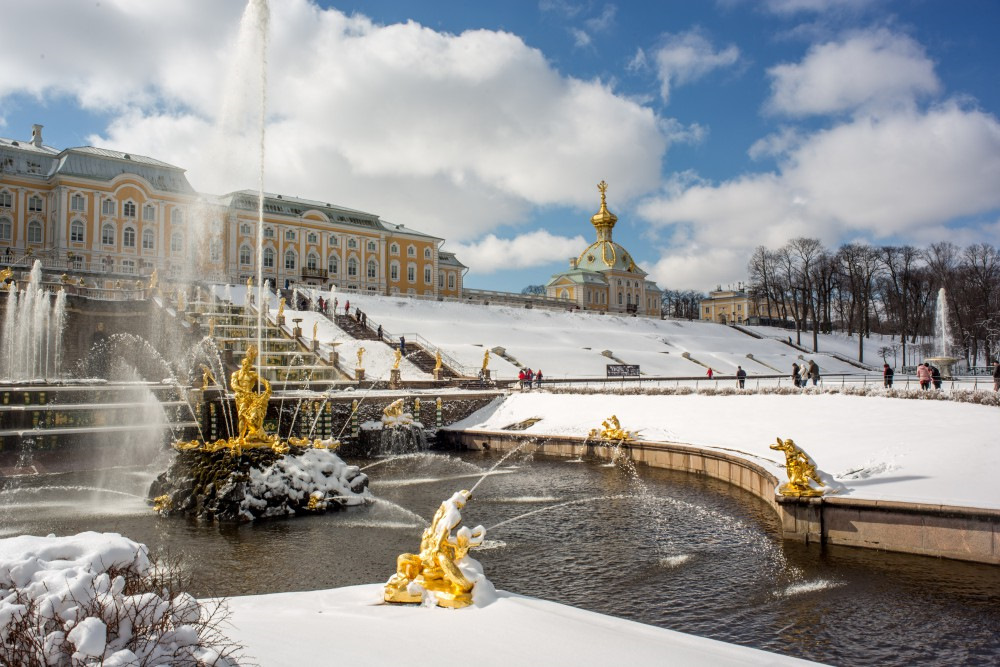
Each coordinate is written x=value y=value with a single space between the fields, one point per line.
x=880 y=448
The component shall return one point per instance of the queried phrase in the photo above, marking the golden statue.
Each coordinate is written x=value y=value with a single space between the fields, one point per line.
x=800 y=469
x=435 y=568
x=395 y=361
x=486 y=359
x=361 y=353
x=437 y=360
x=154 y=280
x=250 y=405
x=394 y=410
x=207 y=379
x=64 y=278
x=211 y=327
x=315 y=324
x=612 y=430
x=6 y=274
x=281 y=307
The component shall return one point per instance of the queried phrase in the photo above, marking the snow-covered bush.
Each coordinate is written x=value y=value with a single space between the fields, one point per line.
x=97 y=599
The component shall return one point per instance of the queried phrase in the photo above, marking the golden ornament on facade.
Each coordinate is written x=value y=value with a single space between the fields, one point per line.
x=801 y=469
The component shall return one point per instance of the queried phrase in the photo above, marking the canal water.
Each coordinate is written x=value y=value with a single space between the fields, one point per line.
x=663 y=548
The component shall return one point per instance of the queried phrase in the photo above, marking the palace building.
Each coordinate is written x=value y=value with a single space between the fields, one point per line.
x=605 y=277
x=108 y=215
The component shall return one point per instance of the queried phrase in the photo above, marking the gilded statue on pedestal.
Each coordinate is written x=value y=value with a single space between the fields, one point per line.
x=250 y=405
x=361 y=353
x=436 y=567
x=281 y=307
x=800 y=469
x=611 y=429
x=437 y=360
x=486 y=359
x=396 y=359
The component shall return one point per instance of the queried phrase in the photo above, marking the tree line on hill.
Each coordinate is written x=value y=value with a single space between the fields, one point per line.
x=865 y=289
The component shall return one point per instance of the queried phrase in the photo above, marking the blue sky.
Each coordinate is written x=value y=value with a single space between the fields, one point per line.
x=719 y=125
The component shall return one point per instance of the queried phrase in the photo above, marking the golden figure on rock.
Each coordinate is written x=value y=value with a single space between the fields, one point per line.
x=800 y=468
x=396 y=359
x=250 y=405
x=207 y=379
x=437 y=567
x=611 y=430
x=394 y=410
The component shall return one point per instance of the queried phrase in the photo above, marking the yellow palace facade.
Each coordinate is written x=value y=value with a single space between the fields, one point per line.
x=109 y=216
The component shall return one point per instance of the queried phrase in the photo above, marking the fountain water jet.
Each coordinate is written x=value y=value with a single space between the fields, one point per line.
x=31 y=347
x=943 y=342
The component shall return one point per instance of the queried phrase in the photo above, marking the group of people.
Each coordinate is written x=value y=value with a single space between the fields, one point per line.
x=810 y=371
x=526 y=376
x=927 y=374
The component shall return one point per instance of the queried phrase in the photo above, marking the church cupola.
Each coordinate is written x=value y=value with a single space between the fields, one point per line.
x=604 y=220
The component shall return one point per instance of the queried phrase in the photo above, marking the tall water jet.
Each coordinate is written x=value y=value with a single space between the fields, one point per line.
x=31 y=347
x=943 y=342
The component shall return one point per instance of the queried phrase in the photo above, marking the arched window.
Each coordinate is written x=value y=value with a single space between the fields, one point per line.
x=290 y=260
x=148 y=239
x=128 y=237
x=34 y=232
x=6 y=201
x=176 y=217
x=619 y=298
x=269 y=232
x=149 y=213
x=76 y=231
x=427 y=275
x=371 y=246
x=333 y=265
x=77 y=203
x=411 y=272
x=334 y=240
x=411 y=251
x=440 y=278
x=352 y=268
x=176 y=243
x=128 y=209
x=6 y=229
x=268 y=258
x=352 y=243
x=372 y=269
x=108 y=234
x=312 y=261
x=427 y=253
x=394 y=271
x=394 y=249
x=245 y=255
x=108 y=207
x=312 y=238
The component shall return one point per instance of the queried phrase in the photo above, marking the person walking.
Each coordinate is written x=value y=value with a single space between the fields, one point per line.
x=741 y=377
x=887 y=374
x=538 y=379
x=379 y=332
x=347 y=308
x=796 y=378
x=402 y=346
x=709 y=373
x=936 y=377
x=924 y=375
x=336 y=302
x=520 y=378
x=813 y=371
x=996 y=375
x=529 y=377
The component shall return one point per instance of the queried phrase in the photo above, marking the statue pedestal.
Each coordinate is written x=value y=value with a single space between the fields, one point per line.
x=280 y=320
x=359 y=374
x=437 y=374
x=334 y=357
x=296 y=332
x=394 y=378
x=486 y=373
x=315 y=345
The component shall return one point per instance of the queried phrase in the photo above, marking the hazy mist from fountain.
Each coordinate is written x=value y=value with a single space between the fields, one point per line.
x=32 y=343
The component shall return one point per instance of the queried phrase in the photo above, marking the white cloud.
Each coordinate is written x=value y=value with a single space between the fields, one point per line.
x=688 y=56
x=868 y=70
x=905 y=175
x=449 y=134
x=604 y=20
x=491 y=254
x=581 y=38
x=789 y=7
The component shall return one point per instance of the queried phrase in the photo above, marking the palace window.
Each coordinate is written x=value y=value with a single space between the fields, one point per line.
x=427 y=253
x=451 y=281
x=108 y=207
x=269 y=232
x=427 y=275
x=77 y=203
x=148 y=240
x=289 y=234
x=290 y=260
x=371 y=246
x=245 y=229
x=215 y=250
x=394 y=271
x=440 y=278
x=411 y=251
x=411 y=273
x=6 y=228
x=312 y=261
x=312 y=238
x=334 y=240
x=245 y=255
x=372 y=269
x=128 y=266
x=128 y=209
x=35 y=204
x=176 y=217
x=176 y=243
x=352 y=268
x=108 y=234
x=394 y=249
x=333 y=265
x=76 y=231
x=34 y=232
x=34 y=167
x=352 y=243
x=128 y=237
x=268 y=258
x=149 y=213
x=6 y=201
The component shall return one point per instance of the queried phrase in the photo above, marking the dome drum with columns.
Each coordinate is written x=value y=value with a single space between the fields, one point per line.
x=605 y=277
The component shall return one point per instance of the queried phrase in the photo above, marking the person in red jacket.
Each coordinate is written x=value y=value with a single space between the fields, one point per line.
x=924 y=375
x=520 y=379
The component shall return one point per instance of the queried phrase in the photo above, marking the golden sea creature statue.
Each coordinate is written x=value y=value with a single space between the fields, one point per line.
x=394 y=410
x=361 y=353
x=436 y=568
x=398 y=356
x=437 y=360
x=486 y=359
x=250 y=405
x=6 y=274
x=800 y=469
x=611 y=430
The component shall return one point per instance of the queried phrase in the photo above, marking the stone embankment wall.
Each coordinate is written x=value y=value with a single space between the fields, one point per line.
x=960 y=533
